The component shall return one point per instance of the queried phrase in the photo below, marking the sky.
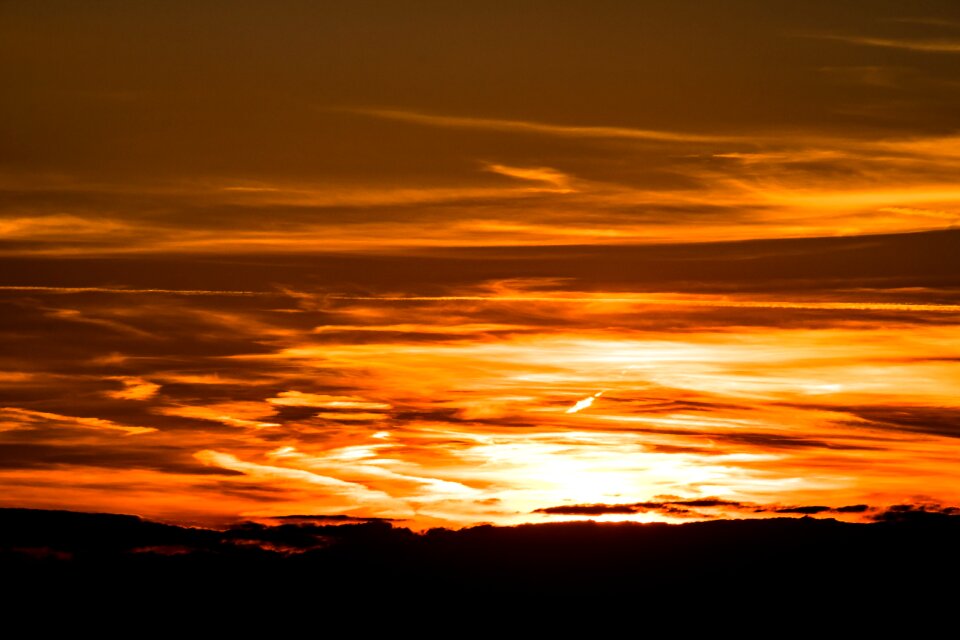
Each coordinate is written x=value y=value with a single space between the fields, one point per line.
x=452 y=263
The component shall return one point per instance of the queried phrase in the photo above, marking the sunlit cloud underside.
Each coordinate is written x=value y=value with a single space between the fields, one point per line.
x=506 y=409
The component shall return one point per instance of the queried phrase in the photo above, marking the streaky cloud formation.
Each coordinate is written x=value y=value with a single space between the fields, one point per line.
x=179 y=292
x=17 y=418
x=923 y=45
x=717 y=507
x=458 y=263
x=450 y=408
x=558 y=180
x=521 y=126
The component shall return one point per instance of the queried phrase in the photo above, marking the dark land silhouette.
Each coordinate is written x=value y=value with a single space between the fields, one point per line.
x=907 y=550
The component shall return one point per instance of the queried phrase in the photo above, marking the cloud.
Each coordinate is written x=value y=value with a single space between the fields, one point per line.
x=54 y=227
x=93 y=319
x=808 y=510
x=927 y=20
x=13 y=377
x=539 y=128
x=790 y=184
x=929 y=419
x=17 y=418
x=559 y=181
x=349 y=416
x=470 y=369
x=134 y=389
x=673 y=301
x=853 y=508
x=245 y=414
x=588 y=509
x=353 y=490
x=301 y=399
x=59 y=454
x=926 y=45
x=930 y=213
x=334 y=518
x=922 y=512
x=684 y=508
x=123 y=290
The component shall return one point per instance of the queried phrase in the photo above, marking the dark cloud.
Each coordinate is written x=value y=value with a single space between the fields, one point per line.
x=334 y=518
x=680 y=507
x=935 y=420
x=762 y=440
x=806 y=510
x=916 y=512
x=783 y=441
x=677 y=507
x=588 y=509
x=853 y=508
x=704 y=502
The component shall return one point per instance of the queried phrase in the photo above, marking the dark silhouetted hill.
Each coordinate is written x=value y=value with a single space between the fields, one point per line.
x=57 y=552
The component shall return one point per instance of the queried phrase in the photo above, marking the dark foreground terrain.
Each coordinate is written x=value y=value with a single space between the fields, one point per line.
x=52 y=554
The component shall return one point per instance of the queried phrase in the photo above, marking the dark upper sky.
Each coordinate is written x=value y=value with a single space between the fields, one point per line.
x=491 y=123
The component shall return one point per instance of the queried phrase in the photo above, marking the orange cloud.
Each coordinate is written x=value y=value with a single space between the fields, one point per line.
x=301 y=399
x=12 y=418
x=540 y=128
x=134 y=389
x=234 y=414
x=559 y=181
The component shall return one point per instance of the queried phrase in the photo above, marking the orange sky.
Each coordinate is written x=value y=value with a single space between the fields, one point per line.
x=453 y=262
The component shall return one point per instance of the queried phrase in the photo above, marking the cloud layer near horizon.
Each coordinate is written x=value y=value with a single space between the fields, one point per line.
x=427 y=389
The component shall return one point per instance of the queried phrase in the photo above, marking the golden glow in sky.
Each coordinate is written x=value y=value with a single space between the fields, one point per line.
x=490 y=410
x=450 y=263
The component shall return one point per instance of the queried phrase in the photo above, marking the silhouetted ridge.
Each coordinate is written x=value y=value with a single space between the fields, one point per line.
x=907 y=547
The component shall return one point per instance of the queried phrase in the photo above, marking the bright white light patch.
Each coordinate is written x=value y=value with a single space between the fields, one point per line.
x=583 y=404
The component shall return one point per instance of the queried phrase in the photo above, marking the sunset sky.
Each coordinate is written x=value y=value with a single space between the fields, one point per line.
x=461 y=262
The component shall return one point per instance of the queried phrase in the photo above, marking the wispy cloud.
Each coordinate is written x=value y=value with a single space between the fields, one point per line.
x=16 y=417
x=353 y=490
x=929 y=213
x=930 y=21
x=244 y=414
x=786 y=184
x=123 y=290
x=556 y=179
x=540 y=128
x=134 y=389
x=323 y=401
x=669 y=300
x=928 y=45
x=464 y=407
